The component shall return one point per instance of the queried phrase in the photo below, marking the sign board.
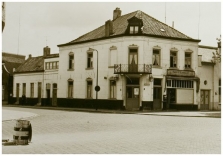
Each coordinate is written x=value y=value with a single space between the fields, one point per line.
x=97 y=88
x=175 y=72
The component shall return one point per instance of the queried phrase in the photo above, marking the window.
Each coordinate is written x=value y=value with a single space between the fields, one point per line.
x=70 y=89
x=219 y=90
x=90 y=60
x=113 y=57
x=57 y=64
x=156 y=57
x=112 y=89
x=23 y=89
x=134 y=29
x=187 y=60
x=47 y=65
x=50 y=65
x=54 y=65
x=173 y=59
x=71 y=60
x=89 y=88
x=180 y=84
x=31 y=90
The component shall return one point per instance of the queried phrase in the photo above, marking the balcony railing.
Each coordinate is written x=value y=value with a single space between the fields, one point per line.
x=132 y=69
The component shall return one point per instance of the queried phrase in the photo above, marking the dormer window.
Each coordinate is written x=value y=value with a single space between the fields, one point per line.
x=134 y=26
x=134 y=29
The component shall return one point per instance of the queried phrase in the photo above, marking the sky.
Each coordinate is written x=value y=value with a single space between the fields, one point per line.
x=30 y=26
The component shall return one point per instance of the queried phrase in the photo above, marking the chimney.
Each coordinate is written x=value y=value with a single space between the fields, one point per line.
x=116 y=13
x=173 y=24
x=30 y=56
x=46 y=51
x=108 y=28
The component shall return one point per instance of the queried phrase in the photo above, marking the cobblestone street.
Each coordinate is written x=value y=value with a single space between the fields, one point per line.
x=70 y=132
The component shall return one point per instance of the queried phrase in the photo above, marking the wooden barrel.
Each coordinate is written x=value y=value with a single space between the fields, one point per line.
x=22 y=132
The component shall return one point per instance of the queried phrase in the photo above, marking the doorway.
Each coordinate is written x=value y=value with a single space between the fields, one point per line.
x=39 y=91
x=205 y=99
x=17 y=93
x=157 y=93
x=132 y=93
x=54 y=99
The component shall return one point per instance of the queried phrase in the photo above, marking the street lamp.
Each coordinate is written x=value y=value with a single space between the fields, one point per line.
x=97 y=88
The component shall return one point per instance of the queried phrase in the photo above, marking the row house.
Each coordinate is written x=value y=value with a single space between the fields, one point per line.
x=132 y=62
x=36 y=79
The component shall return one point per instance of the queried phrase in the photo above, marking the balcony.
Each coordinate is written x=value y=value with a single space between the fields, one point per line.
x=132 y=68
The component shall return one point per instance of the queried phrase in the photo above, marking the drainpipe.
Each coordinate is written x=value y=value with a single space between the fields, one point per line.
x=212 y=89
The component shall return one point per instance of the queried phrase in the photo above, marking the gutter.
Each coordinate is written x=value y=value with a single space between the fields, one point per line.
x=115 y=36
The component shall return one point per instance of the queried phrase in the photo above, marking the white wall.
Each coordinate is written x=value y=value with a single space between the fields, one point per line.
x=145 y=46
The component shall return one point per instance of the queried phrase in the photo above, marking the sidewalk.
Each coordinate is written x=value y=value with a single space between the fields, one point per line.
x=19 y=114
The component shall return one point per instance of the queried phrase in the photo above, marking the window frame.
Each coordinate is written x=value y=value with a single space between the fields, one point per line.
x=185 y=60
x=90 y=60
x=154 y=57
x=70 y=88
x=112 y=89
x=133 y=31
x=91 y=89
x=176 y=58
x=31 y=90
x=71 y=61
x=24 y=89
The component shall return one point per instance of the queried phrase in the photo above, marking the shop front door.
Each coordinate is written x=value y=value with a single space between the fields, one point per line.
x=132 y=100
x=204 y=101
x=54 y=98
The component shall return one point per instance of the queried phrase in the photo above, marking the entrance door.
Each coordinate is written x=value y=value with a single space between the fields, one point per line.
x=132 y=94
x=17 y=93
x=157 y=93
x=133 y=60
x=157 y=97
x=54 y=99
x=48 y=96
x=39 y=92
x=204 y=101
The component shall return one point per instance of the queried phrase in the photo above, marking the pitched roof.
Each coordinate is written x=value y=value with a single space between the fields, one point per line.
x=151 y=27
x=13 y=58
x=33 y=64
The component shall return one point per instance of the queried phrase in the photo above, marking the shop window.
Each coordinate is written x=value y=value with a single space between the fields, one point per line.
x=173 y=59
x=70 y=88
x=31 y=90
x=90 y=60
x=187 y=60
x=180 y=83
x=71 y=60
x=156 y=57
x=89 y=88
x=24 y=89
x=112 y=89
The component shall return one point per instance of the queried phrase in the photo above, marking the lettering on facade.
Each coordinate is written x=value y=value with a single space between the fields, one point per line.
x=174 y=72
